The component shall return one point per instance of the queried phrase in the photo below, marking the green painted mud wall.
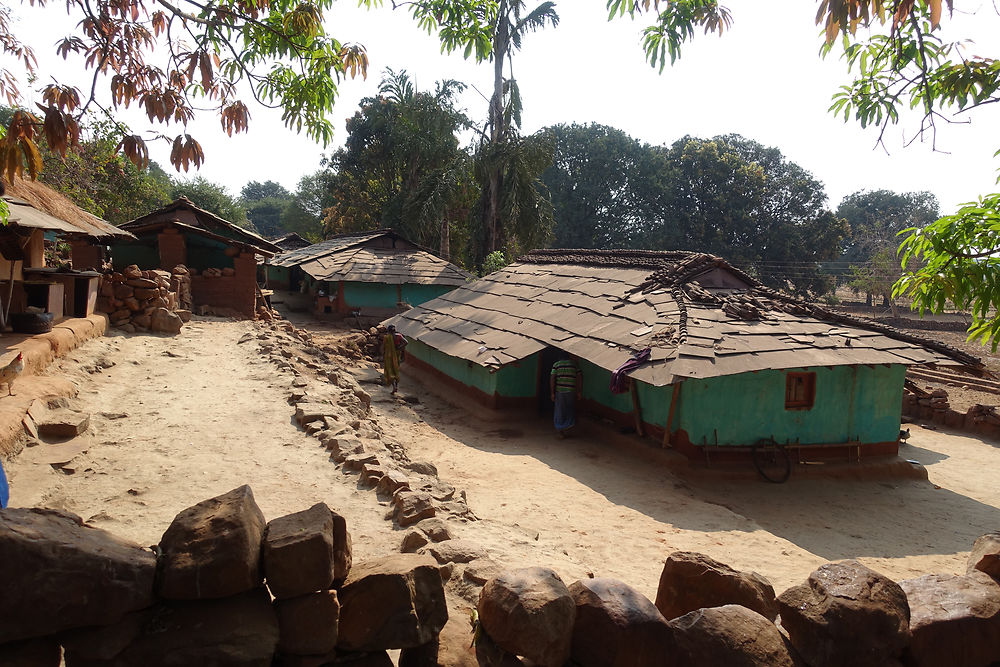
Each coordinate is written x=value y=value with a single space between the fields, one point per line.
x=415 y=295
x=510 y=381
x=370 y=295
x=518 y=380
x=469 y=374
x=143 y=256
x=858 y=403
x=278 y=275
x=654 y=402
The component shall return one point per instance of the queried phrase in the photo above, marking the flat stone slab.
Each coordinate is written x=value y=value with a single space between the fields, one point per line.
x=62 y=423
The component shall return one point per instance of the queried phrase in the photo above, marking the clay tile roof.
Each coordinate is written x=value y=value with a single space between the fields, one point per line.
x=700 y=316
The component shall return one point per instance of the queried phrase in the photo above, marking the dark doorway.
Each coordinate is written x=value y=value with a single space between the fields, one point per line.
x=546 y=358
x=81 y=294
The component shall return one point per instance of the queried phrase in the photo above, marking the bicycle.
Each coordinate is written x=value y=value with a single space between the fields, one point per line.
x=771 y=460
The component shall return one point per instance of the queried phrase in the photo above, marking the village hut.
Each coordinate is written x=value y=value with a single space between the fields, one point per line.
x=731 y=363
x=370 y=274
x=291 y=241
x=37 y=211
x=221 y=257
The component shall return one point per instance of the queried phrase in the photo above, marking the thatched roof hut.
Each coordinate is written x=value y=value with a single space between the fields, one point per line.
x=36 y=205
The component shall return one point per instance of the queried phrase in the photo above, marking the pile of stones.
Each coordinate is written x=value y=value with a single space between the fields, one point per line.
x=708 y=614
x=142 y=301
x=223 y=587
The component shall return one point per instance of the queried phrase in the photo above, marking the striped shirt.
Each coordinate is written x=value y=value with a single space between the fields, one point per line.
x=565 y=372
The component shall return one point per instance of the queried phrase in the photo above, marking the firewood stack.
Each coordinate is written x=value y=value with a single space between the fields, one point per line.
x=140 y=301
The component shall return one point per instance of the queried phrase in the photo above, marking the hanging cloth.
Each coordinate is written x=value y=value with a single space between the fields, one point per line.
x=620 y=379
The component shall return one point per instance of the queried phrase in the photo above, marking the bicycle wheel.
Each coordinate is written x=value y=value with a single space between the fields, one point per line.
x=772 y=462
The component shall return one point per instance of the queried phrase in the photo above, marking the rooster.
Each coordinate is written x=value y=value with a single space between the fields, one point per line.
x=9 y=372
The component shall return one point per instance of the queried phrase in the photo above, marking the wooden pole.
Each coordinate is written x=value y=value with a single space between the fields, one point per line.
x=670 y=416
x=636 y=410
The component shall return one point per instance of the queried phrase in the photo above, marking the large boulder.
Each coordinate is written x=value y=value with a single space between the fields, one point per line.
x=57 y=573
x=240 y=630
x=87 y=646
x=955 y=620
x=846 y=614
x=164 y=321
x=412 y=506
x=730 y=635
x=692 y=581
x=212 y=550
x=392 y=602
x=985 y=555
x=617 y=625
x=298 y=552
x=529 y=613
x=308 y=624
x=38 y=652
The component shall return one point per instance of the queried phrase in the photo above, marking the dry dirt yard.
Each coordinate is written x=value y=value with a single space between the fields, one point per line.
x=178 y=420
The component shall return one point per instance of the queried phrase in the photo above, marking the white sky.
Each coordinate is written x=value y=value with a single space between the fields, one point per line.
x=763 y=79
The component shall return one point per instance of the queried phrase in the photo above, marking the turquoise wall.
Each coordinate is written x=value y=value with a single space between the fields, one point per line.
x=514 y=381
x=143 y=256
x=417 y=294
x=278 y=274
x=203 y=257
x=654 y=402
x=852 y=403
x=465 y=372
x=370 y=295
x=518 y=380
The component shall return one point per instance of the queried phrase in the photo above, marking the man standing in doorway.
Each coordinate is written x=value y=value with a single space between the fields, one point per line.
x=566 y=383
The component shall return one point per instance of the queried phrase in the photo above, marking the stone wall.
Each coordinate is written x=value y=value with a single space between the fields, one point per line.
x=226 y=587
x=137 y=300
x=934 y=407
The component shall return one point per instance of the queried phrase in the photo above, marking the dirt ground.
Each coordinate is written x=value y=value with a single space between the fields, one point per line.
x=203 y=414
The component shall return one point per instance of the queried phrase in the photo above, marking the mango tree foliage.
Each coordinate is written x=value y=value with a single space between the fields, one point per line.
x=960 y=254
x=736 y=198
x=607 y=188
x=401 y=165
x=171 y=59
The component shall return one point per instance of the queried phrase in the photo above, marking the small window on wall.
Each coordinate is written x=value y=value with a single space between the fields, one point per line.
x=800 y=391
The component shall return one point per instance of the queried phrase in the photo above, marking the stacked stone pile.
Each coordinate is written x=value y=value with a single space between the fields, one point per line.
x=206 y=598
x=138 y=300
x=934 y=407
x=708 y=614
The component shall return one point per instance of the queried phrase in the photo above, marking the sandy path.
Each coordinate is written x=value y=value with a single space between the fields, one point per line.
x=215 y=416
x=204 y=415
x=588 y=505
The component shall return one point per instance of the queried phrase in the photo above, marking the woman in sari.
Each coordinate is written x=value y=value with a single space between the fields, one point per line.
x=392 y=356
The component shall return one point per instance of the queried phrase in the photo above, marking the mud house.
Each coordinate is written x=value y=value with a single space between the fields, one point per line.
x=731 y=363
x=371 y=273
x=37 y=212
x=290 y=241
x=221 y=256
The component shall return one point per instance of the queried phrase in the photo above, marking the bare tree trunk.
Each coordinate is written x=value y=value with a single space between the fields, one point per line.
x=445 y=239
x=893 y=308
x=501 y=42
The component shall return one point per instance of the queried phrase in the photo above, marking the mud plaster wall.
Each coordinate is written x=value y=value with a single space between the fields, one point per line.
x=852 y=403
x=510 y=381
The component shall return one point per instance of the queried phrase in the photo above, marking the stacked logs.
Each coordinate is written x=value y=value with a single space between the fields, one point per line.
x=140 y=301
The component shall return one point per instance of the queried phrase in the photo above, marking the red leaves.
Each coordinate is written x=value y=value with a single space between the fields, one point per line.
x=60 y=128
x=235 y=118
x=18 y=150
x=846 y=15
x=135 y=150
x=186 y=151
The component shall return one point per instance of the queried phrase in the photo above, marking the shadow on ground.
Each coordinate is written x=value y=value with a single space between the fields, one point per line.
x=832 y=518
